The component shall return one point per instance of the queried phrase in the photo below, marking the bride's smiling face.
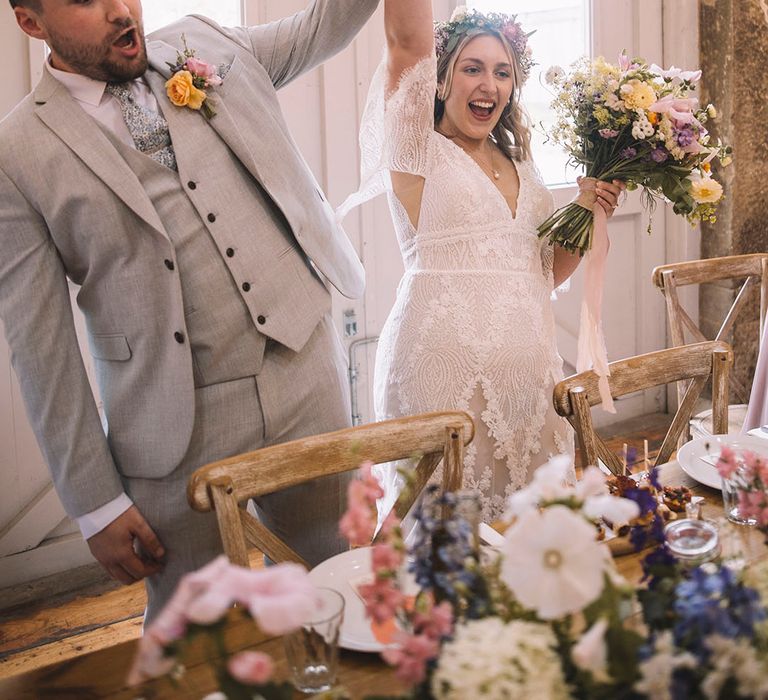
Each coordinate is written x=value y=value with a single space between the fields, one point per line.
x=482 y=83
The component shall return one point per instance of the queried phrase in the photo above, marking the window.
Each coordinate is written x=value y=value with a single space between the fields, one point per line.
x=562 y=36
x=228 y=13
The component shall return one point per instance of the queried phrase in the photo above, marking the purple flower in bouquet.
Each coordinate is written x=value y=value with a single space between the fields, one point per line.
x=659 y=155
x=628 y=153
x=685 y=136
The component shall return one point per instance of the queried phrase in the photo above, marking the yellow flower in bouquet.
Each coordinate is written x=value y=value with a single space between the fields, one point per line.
x=637 y=94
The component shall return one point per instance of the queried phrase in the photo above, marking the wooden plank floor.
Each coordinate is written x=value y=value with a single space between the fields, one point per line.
x=38 y=627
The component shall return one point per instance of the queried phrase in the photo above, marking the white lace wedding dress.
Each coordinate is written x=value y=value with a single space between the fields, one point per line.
x=472 y=327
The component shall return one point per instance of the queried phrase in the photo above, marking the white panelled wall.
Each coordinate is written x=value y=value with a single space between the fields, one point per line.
x=323 y=109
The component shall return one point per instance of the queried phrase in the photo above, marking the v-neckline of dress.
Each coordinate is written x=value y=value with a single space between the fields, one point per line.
x=512 y=215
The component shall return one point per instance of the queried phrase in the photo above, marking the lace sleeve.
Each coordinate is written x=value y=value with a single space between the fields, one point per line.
x=395 y=131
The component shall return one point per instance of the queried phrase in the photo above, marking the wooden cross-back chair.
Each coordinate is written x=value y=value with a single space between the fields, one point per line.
x=225 y=486
x=751 y=268
x=574 y=396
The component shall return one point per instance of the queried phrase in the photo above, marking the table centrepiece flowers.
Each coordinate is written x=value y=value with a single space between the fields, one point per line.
x=277 y=598
x=550 y=617
x=643 y=125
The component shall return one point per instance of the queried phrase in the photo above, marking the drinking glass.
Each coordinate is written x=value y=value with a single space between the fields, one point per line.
x=313 y=649
x=731 y=488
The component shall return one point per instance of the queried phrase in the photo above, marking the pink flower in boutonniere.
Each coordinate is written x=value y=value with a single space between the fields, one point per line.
x=190 y=78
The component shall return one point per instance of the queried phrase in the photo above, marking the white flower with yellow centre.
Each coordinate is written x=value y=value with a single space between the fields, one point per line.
x=706 y=190
x=552 y=562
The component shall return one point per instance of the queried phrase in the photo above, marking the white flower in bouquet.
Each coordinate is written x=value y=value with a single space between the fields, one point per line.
x=705 y=189
x=491 y=659
x=552 y=562
x=554 y=75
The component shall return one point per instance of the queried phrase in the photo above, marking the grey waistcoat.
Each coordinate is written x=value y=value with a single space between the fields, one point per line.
x=228 y=254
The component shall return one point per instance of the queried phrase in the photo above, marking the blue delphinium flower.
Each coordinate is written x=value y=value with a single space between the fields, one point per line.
x=443 y=557
x=714 y=602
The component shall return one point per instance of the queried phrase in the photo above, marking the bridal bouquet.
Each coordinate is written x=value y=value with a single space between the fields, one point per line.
x=550 y=617
x=638 y=123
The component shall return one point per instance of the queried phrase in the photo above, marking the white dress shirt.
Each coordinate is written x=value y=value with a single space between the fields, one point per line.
x=91 y=95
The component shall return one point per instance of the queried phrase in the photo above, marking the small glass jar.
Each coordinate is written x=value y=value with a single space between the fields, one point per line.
x=692 y=542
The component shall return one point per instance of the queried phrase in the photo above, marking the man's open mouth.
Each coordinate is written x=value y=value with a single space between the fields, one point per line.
x=482 y=108
x=127 y=40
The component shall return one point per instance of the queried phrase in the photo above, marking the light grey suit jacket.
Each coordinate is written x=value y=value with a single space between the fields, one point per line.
x=71 y=207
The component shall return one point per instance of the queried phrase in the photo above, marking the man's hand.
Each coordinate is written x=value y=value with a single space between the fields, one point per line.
x=114 y=549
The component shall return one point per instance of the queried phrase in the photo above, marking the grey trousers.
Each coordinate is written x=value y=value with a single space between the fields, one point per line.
x=294 y=395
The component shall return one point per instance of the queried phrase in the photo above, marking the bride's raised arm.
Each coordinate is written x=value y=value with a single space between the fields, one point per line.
x=409 y=32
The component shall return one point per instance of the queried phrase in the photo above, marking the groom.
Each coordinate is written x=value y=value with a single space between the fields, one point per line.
x=199 y=248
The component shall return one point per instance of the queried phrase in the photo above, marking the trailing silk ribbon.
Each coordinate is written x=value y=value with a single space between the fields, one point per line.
x=591 y=353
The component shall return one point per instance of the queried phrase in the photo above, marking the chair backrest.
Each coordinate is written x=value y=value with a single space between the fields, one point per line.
x=225 y=486
x=574 y=396
x=752 y=269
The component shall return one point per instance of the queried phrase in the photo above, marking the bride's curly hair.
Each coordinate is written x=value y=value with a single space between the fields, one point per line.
x=512 y=132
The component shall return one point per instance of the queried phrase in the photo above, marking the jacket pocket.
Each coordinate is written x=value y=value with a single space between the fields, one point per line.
x=113 y=347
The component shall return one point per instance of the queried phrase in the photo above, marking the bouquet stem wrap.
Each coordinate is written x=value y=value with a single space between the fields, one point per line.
x=591 y=345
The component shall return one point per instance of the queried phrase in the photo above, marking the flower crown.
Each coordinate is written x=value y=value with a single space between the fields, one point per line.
x=448 y=34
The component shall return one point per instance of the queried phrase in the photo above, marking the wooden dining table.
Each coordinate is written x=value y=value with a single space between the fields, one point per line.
x=102 y=673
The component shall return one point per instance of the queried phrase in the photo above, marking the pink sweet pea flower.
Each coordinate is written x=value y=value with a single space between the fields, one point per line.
x=280 y=599
x=151 y=660
x=624 y=61
x=251 y=667
x=411 y=656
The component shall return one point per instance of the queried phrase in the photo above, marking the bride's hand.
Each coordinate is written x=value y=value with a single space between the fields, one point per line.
x=608 y=195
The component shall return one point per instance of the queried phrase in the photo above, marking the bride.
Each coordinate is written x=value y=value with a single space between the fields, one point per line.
x=472 y=327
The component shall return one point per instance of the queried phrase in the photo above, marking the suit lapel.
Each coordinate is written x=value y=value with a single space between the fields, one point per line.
x=61 y=113
x=160 y=54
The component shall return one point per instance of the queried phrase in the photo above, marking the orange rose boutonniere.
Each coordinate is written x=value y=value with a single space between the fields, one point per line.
x=189 y=80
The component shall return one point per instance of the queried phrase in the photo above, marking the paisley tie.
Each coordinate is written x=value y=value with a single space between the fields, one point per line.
x=148 y=129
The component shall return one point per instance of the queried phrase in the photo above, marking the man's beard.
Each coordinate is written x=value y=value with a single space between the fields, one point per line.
x=92 y=60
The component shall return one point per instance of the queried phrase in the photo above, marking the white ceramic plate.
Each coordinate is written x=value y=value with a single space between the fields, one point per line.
x=693 y=454
x=340 y=573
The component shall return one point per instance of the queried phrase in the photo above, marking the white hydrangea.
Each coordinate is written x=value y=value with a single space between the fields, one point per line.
x=735 y=659
x=490 y=659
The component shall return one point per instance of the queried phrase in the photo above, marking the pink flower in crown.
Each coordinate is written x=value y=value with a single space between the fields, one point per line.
x=411 y=655
x=727 y=464
x=203 y=70
x=382 y=599
x=251 y=667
